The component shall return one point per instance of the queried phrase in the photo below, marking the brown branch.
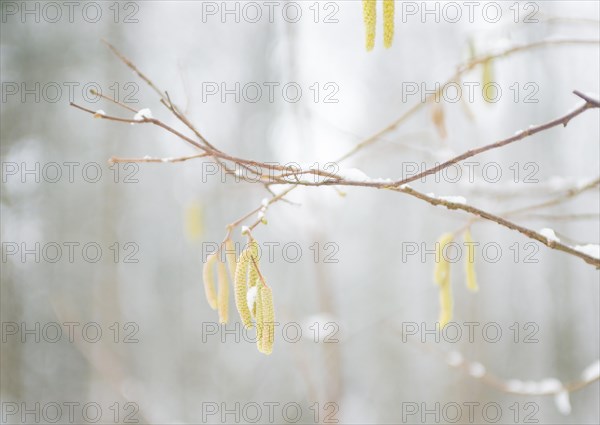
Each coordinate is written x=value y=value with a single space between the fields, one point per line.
x=164 y=96
x=115 y=159
x=587 y=98
x=502 y=222
x=564 y=120
x=402 y=187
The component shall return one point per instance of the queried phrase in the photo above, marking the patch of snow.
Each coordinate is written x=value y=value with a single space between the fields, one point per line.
x=454 y=199
x=550 y=385
x=476 y=370
x=591 y=372
x=142 y=114
x=589 y=249
x=251 y=297
x=549 y=234
x=530 y=387
x=381 y=180
x=515 y=385
x=563 y=402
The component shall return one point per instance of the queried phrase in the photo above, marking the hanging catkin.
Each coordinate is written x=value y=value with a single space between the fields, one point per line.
x=223 y=297
x=241 y=287
x=209 y=281
x=370 y=18
x=253 y=271
x=470 y=262
x=388 y=23
x=487 y=77
x=267 y=320
x=258 y=316
x=442 y=266
x=230 y=256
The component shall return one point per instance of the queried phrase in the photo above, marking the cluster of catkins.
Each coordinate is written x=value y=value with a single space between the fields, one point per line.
x=253 y=297
x=441 y=274
x=370 y=18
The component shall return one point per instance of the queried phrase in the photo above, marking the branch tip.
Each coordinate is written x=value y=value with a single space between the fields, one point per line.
x=590 y=101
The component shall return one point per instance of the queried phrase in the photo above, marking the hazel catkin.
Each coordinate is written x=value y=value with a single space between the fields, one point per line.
x=209 y=281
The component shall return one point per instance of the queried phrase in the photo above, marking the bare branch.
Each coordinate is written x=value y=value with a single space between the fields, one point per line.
x=282 y=174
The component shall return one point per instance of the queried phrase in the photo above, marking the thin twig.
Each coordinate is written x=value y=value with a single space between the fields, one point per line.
x=462 y=69
x=115 y=159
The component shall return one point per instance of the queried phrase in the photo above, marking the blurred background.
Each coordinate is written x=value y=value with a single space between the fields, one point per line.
x=102 y=304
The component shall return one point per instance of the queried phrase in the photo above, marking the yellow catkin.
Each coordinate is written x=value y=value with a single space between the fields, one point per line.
x=223 y=297
x=259 y=320
x=268 y=320
x=470 y=262
x=253 y=272
x=441 y=276
x=487 y=80
x=370 y=19
x=388 y=23
x=241 y=288
x=209 y=281
x=194 y=223
x=230 y=257
x=253 y=306
x=442 y=266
